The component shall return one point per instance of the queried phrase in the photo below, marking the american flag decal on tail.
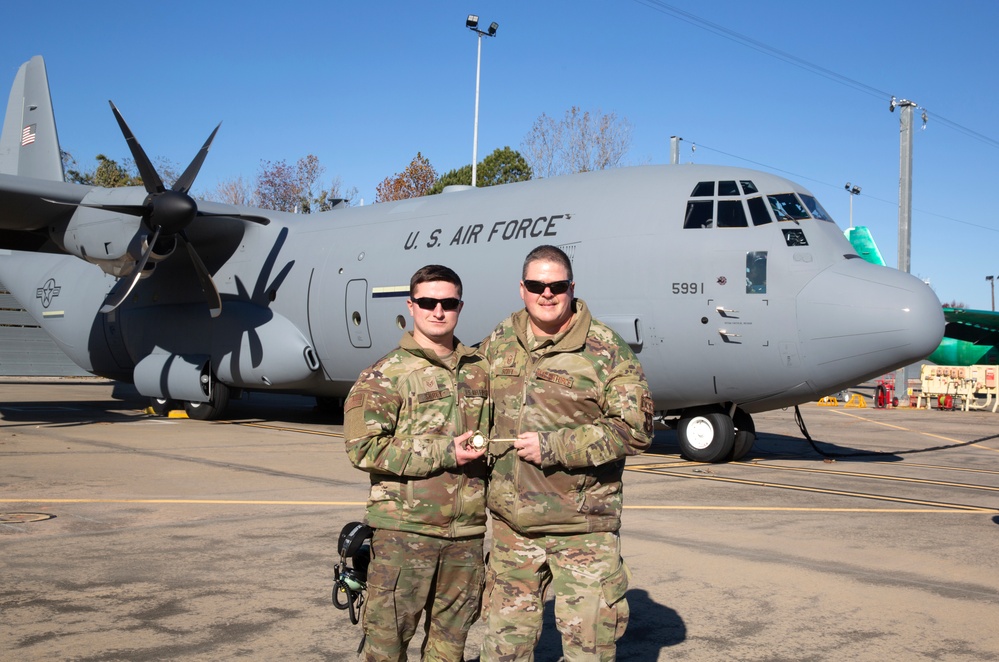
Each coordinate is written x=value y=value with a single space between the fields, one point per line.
x=28 y=135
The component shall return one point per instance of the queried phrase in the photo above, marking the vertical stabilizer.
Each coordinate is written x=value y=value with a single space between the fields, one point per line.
x=29 y=144
x=863 y=243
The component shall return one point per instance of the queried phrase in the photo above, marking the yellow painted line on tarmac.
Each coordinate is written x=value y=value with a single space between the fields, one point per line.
x=248 y=502
x=221 y=502
x=789 y=509
x=905 y=429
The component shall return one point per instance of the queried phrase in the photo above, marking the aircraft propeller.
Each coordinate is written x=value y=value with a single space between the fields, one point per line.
x=166 y=213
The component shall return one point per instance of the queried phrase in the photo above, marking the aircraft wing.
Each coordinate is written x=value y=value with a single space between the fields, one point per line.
x=28 y=206
x=32 y=204
x=980 y=327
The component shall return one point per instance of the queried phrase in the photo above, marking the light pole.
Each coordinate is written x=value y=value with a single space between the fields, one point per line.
x=852 y=190
x=992 y=282
x=472 y=23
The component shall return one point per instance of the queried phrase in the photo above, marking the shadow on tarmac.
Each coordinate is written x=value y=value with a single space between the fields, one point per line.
x=651 y=628
x=779 y=446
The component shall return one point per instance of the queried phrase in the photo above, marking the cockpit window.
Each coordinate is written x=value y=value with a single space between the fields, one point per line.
x=727 y=188
x=758 y=210
x=703 y=189
x=815 y=208
x=731 y=214
x=787 y=207
x=699 y=214
x=748 y=187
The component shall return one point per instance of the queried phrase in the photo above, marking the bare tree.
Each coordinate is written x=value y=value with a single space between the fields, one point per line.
x=579 y=142
x=235 y=191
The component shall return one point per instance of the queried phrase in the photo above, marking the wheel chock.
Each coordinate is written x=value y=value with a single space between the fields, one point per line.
x=177 y=413
x=856 y=400
x=829 y=401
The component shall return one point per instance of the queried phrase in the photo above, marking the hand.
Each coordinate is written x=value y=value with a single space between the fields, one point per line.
x=528 y=447
x=464 y=452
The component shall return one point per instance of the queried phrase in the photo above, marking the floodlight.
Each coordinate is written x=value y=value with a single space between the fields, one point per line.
x=492 y=28
x=472 y=22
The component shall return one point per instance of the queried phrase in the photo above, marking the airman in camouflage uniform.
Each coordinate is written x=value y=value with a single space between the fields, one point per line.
x=408 y=420
x=570 y=403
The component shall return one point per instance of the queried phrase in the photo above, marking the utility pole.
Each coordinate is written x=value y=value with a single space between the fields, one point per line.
x=904 y=182
x=674 y=149
x=904 y=200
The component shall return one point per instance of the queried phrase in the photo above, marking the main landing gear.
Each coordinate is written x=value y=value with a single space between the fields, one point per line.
x=218 y=400
x=708 y=434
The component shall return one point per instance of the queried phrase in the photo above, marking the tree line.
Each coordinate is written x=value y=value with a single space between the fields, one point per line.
x=580 y=141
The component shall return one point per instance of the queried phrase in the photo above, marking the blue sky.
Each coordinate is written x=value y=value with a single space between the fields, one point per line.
x=366 y=85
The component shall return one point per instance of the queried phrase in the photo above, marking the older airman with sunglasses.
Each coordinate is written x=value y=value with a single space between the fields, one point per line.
x=570 y=402
x=408 y=420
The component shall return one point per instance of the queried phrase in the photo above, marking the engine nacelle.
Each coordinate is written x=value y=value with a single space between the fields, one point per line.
x=174 y=376
x=107 y=238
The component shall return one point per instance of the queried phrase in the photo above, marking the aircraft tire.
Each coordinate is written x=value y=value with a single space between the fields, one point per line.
x=706 y=436
x=162 y=406
x=209 y=411
x=745 y=435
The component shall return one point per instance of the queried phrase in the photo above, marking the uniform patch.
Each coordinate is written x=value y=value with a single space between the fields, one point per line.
x=354 y=401
x=647 y=405
x=555 y=378
x=475 y=392
x=430 y=383
x=433 y=395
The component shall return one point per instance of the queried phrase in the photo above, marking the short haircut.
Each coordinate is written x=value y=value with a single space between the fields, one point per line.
x=547 y=253
x=434 y=272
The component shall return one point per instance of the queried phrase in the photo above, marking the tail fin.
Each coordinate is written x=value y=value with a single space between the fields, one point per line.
x=29 y=144
x=863 y=242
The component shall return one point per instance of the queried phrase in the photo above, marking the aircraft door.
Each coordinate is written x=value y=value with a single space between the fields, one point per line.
x=356 y=310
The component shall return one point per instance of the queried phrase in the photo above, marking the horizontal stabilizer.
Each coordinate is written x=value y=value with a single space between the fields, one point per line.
x=29 y=144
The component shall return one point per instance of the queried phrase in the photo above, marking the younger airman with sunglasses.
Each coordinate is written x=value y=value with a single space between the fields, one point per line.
x=408 y=420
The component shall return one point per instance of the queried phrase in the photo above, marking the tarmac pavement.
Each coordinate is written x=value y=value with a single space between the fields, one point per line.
x=129 y=537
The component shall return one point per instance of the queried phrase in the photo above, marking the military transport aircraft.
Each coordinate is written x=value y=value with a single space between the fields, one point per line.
x=735 y=287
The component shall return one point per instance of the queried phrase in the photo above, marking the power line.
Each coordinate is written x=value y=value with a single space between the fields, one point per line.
x=801 y=63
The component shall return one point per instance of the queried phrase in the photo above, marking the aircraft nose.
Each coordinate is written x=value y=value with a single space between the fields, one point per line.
x=856 y=318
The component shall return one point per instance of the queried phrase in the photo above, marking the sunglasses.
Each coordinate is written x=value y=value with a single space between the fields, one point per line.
x=430 y=303
x=538 y=287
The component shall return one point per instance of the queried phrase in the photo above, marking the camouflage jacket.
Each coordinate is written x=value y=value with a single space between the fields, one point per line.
x=585 y=393
x=400 y=420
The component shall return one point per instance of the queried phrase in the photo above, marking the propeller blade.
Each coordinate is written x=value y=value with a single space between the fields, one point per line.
x=118 y=295
x=150 y=179
x=250 y=218
x=185 y=181
x=205 y=278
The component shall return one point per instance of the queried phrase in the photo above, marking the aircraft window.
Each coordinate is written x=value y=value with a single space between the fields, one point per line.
x=756 y=272
x=699 y=214
x=748 y=187
x=787 y=207
x=758 y=210
x=815 y=208
x=703 y=190
x=731 y=214
x=795 y=237
x=727 y=188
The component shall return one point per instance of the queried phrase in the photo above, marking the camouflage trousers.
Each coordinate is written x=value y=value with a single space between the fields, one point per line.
x=589 y=579
x=413 y=576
